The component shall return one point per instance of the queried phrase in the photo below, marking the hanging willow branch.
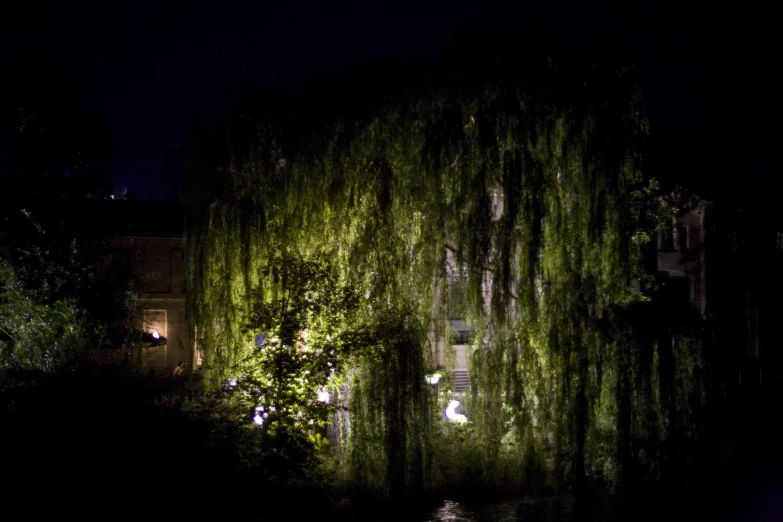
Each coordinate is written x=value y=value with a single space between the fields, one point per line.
x=526 y=185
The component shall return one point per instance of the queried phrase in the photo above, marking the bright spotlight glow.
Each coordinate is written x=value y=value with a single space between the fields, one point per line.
x=155 y=334
x=432 y=379
x=232 y=382
x=452 y=415
x=258 y=420
x=323 y=395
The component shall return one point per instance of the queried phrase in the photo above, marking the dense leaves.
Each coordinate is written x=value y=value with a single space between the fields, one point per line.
x=298 y=323
x=36 y=334
x=520 y=182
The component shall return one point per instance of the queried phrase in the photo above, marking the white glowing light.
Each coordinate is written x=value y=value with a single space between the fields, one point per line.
x=259 y=420
x=155 y=334
x=323 y=395
x=232 y=382
x=432 y=379
x=452 y=415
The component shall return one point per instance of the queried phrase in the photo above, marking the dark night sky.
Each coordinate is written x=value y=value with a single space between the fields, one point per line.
x=147 y=66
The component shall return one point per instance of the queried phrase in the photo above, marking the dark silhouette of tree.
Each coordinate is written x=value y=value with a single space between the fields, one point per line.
x=52 y=153
x=50 y=145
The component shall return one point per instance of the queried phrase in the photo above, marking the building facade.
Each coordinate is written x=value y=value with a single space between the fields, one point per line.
x=726 y=261
x=156 y=262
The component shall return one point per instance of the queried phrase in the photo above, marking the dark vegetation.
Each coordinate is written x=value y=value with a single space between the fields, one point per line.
x=582 y=387
x=112 y=444
x=512 y=163
x=107 y=443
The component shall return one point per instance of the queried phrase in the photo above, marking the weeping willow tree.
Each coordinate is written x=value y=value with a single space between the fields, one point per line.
x=522 y=180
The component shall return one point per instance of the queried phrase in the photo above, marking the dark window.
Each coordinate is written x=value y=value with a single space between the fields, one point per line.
x=676 y=290
x=682 y=238
x=462 y=337
x=752 y=315
x=666 y=239
x=779 y=242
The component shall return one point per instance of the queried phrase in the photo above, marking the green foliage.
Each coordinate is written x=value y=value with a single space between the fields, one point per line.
x=297 y=318
x=44 y=287
x=298 y=294
x=527 y=185
x=36 y=334
x=54 y=253
x=307 y=328
x=388 y=447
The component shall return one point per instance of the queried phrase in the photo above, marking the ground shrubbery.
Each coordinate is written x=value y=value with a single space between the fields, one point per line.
x=114 y=443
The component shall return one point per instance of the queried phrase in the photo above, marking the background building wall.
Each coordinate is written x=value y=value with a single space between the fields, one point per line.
x=157 y=264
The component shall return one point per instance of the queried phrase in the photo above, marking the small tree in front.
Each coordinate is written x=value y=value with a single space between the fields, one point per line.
x=298 y=319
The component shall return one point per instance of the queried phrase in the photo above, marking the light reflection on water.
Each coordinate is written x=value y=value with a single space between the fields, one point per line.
x=552 y=509
x=451 y=512
x=599 y=508
x=546 y=510
x=603 y=507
